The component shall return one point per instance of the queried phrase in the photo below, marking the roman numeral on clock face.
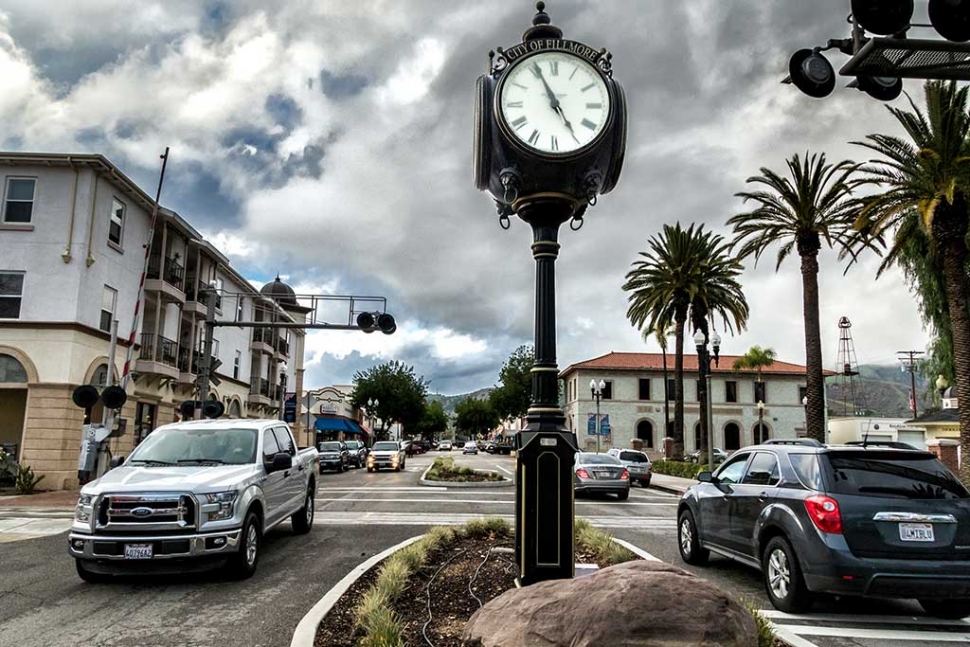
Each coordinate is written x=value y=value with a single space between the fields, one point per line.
x=518 y=123
x=518 y=104
x=554 y=67
x=594 y=106
x=554 y=143
x=589 y=124
x=534 y=137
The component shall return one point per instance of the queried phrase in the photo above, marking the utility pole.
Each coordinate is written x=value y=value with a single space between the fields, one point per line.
x=909 y=359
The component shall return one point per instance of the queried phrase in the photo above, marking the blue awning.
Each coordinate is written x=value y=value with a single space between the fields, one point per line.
x=335 y=423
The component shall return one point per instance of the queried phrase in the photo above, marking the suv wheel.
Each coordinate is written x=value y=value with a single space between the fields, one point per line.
x=950 y=609
x=688 y=540
x=784 y=583
x=243 y=564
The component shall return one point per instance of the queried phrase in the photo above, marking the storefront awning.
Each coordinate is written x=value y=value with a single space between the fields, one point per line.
x=336 y=423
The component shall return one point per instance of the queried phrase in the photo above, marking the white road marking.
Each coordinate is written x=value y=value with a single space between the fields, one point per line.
x=369 y=488
x=790 y=638
x=327 y=518
x=503 y=469
x=780 y=616
x=879 y=634
x=487 y=501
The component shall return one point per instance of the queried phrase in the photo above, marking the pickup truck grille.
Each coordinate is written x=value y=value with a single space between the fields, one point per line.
x=121 y=512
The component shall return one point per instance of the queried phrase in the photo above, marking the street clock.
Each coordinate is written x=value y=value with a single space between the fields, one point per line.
x=549 y=119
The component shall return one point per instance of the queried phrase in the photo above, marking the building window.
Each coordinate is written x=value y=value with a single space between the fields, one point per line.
x=218 y=287
x=116 y=229
x=671 y=389
x=108 y=300
x=215 y=348
x=802 y=394
x=11 y=370
x=236 y=363
x=239 y=309
x=608 y=390
x=18 y=206
x=644 y=388
x=11 y=294
x=732 y=437
x=645 y=433
x=730 y=391
x=760 y=392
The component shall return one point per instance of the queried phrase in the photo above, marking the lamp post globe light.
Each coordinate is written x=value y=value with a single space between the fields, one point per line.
x=372 y=413
x=550 y=136
x=597 y=391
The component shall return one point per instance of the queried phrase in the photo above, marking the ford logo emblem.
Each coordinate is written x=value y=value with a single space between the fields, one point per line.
x=142 y=512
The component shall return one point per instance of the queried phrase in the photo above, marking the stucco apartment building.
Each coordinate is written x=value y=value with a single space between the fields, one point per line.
x=73 y=231
x=634 y=401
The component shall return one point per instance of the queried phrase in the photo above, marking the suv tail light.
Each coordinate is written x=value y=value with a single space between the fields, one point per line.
x=824 y=513
x=582 y=473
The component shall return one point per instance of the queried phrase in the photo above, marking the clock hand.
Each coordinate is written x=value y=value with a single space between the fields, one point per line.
x=553 y=101
x=568 y=125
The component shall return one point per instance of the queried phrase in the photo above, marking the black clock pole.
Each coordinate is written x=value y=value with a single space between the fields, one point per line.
x=544 y=467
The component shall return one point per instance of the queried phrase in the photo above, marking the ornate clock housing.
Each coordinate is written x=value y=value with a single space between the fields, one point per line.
x=549 y=119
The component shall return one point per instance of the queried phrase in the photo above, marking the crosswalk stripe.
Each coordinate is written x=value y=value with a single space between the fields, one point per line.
x=484 y=501
x=785 y=618
x=878 y=634
x=325 y=517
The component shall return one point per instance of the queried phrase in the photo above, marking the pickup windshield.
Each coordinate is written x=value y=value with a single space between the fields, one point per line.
x=329 y=447
x=180 y=446
x=386 y=446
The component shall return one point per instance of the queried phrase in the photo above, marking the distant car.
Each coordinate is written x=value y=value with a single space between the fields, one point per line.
x=701 y=457
x=334 y=456
x=386 y=453
x=499 y=447
x=600 y=473
x=358 y=453
x=636 y=462
x=878 y=522
x=444 y=446
x=471 y=447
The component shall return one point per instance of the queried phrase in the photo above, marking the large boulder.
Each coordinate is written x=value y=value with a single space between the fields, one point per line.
x=637 y=603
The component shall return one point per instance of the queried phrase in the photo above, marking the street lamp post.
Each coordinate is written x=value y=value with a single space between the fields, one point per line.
x=761 y=418
x=372 y=413
x=597 y=391
x=704 y=358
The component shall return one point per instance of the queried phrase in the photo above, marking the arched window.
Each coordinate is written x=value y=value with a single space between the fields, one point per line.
x=645 y=433
x=234 y=410
x=732 y=437
x=100 y=377
x=697 y=435
x=11 y=370
x=761 y=433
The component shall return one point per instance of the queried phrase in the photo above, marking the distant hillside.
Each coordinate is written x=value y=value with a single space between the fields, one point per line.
x=882 y=390
x=448 y=402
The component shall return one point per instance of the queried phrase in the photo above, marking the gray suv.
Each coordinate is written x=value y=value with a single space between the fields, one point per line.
x=636 y=462
x=846 y=520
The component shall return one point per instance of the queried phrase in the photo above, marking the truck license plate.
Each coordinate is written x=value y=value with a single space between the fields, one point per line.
x=138 y=551
x=916 y=532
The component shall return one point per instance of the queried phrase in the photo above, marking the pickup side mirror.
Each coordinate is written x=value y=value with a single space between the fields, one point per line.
x=705 y=477
x=280 y=462
x=116 y=461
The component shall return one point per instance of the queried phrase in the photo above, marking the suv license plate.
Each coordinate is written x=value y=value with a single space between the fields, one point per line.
x=138 y=551
x=916 y=532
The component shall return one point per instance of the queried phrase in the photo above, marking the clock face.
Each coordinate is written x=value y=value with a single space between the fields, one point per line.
x=554 y=102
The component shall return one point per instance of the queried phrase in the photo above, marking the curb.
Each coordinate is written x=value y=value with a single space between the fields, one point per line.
x=505 y=482
x=636 y=550
x=306 y=631
x=666 y=488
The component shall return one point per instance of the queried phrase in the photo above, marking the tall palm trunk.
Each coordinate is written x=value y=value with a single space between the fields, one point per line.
x=666 y=397
x=950 y=225
x=680 y=318
x=808 y=247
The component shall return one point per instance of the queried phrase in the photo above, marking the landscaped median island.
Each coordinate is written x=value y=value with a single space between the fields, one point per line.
x=443 y=469
x=437 y=592
x=682 y=469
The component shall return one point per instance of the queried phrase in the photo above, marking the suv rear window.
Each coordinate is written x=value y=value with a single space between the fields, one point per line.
x=634 y=457
x=891 y=475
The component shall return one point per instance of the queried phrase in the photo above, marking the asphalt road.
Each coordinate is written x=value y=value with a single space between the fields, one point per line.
x=43 y=603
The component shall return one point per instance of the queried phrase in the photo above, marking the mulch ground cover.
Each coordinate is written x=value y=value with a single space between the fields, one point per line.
x=458 y=578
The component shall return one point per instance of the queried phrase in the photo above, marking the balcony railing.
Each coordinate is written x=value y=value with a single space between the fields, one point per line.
x=283 y=346
x=259 y=387
x=174 y=272
x=187 y=366
x=159 y=349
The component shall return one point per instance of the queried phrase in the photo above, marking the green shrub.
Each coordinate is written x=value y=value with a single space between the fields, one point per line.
x=605 y=551
x=383 y=630
x=26 y=481
x=766 y=633
x=8 y=468
x=678 y=468
x=487 y=527
x=393 y=577
x=443 y=469
x=371 y=603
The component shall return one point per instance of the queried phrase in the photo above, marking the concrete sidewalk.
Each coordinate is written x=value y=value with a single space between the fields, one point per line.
x=51 y=499
x=671 y=484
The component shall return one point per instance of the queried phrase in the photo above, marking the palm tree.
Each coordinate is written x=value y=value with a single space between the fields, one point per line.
x=684 y=267
x=756 y=358
x=812 y=207
x=926 y=180
x=661 y=333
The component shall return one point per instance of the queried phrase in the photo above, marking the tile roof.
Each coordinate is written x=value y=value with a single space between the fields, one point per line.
x=943 y=415
x=654 y=362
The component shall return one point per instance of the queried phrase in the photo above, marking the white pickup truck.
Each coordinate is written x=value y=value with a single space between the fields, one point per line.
x=192 y=496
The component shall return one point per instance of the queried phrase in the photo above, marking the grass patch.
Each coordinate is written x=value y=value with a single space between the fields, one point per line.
x=605 y=551
x=443 y=469
x=766 y=635
x=374 y=616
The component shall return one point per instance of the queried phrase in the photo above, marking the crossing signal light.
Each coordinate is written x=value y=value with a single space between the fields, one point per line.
x=365 y=321
x=883 y=88
x=884 y=17
x=812 y=73
x=951 y=19
x=386 y=323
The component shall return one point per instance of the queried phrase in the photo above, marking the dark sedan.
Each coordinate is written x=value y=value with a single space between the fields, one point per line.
x=846 y=520
x=334 y=456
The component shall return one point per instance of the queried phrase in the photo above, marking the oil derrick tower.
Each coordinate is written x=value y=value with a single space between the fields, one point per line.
x=850 y=384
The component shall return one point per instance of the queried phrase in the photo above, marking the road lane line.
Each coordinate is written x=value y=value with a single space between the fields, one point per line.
x=879 y=634
x=636 y=550
x=790 y=638
x=621 y=504
x=780 y=616
x=503 y=469
x=422 y=488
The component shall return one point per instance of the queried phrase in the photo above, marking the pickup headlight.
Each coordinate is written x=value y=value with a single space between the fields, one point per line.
x=82 y=512
x=226 y=501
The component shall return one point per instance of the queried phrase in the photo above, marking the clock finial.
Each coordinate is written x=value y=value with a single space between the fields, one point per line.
x=541 y=26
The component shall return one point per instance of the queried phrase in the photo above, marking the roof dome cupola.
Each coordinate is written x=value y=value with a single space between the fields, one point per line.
x=279 y=292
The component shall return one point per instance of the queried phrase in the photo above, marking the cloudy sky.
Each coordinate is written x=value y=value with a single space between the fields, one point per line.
x=330 y=141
